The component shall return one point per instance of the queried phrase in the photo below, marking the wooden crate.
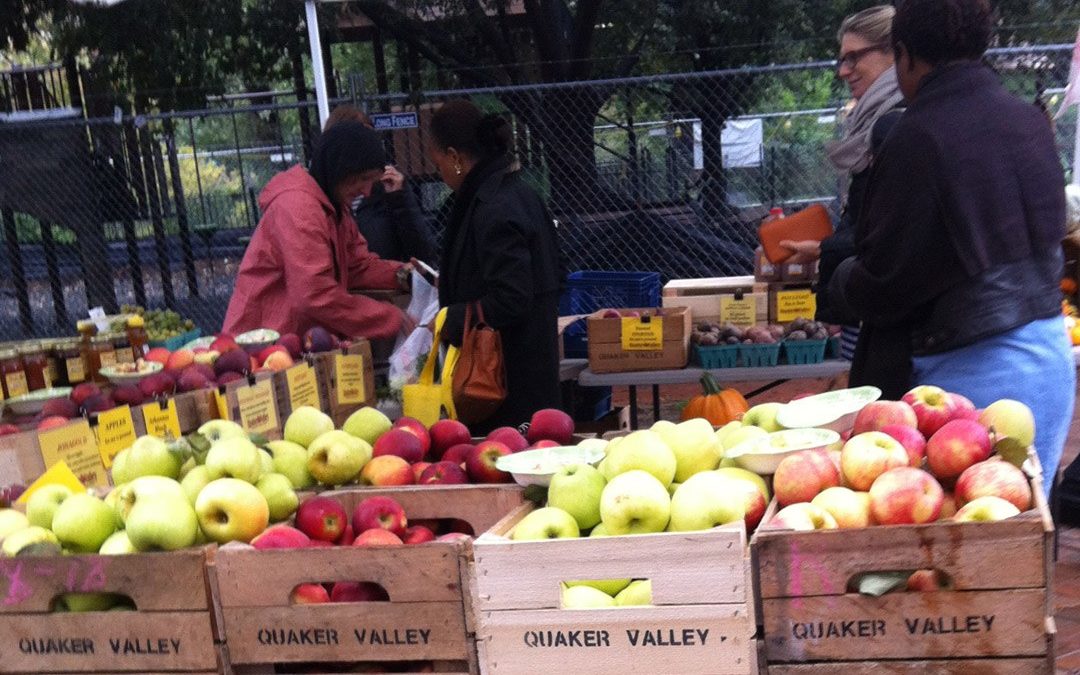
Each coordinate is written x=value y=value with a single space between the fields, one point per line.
x=702 y=619
x=997 y=618
x=606 y=354
x=703 y=296
x=426 y=620
x=325 y=373
x=172 y=630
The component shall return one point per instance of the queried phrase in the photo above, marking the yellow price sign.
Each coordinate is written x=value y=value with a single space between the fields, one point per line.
x=799 y=304
x=645 y=334
x=115 y=431
x=221 y=404
x=258 y=412
x=57 y=474
x=75 y=445
x=349 y=369
x=161 y=421
x=738 y=311
x=303 y=387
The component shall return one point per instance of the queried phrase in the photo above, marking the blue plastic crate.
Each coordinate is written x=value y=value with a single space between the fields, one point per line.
x=719 y=356
x=759 y=355
x=588 y=291
x=801 y=352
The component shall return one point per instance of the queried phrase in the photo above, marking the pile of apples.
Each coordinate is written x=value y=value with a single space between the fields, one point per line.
x=930 y=456
x=369 y=449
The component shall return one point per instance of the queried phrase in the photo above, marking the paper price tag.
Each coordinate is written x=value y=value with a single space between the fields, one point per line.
x=58 y=474
x=740 y=312
x=349 y=369
x=76 y=446
x=115 y=431
x=642 y=336
x=161 y=422
x=221 y=404
x=108 y=359
x=303 y=387
x=258 y=413
x=791 y=305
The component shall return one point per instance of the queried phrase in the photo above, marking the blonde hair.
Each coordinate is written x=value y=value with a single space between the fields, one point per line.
x=873 y=25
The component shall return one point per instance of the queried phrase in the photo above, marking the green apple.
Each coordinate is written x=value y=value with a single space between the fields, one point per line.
x=599 y=531
x=113 y=500
x=220 y=430
x=83 y=522
x=635 y=502
x=672 y=488
x=84 y=602
x=368 y=424
x=42 y=504
x=118 y=543
x=763 y=415
x=585 y=597
x=266 y=462
x=546 y=523
x=705 y=501
x=609 y=586
x=234 y=458
x=662 y=426
x=986 y=508
x=230 y=509
x=642 y=450
x=157 y=514
x=1012 y=428
x=727 y=463
x=576 y=489
x=740 y=473
x=741 y=435
x=336 y=457
x=33 y=540
x=279 y=494
x=723 y=432
x=195 y=481
x=695 y=446
x=147 y=456
x=290 y=459
x=639 y=592
x=305 y=424
x=12 y=521
x=597 y=443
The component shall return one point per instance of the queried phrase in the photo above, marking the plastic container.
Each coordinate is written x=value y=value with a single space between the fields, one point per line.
x=802 y=352
x=588 y=291
x=719 y=356
x=759 y=355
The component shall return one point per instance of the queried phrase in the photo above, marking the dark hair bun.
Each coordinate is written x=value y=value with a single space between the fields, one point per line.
x=493 y=133
x=939 y=31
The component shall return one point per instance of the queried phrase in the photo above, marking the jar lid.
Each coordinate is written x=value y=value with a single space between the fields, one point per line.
x=136 y=322
x=8 y=354
x=67 y=343
x=30 y=347
x=101 y=340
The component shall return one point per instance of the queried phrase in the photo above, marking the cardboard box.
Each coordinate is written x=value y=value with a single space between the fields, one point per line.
x=764 y=270
x=790 y=301
x=610 y=351
x=706 y=297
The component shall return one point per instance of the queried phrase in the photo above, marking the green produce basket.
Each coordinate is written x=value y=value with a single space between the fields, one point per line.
x=802 y=352
x=759 y=355
x=174 y=343
x=717 y=356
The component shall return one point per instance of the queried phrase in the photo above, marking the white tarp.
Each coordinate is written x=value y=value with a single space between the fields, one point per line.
x=741 y=141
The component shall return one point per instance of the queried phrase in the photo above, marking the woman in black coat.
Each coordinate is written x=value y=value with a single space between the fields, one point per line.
x=500 y=249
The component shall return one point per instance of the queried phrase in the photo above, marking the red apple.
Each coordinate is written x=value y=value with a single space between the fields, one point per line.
x=480 y=464
x=347 y=536
x=878 y=414
x=445 y=434
x=387 y=470
x=65 y=407
x=377 y=537
x=906 y=496
x=956 y=446
x=379 y=512
x=458 y=454
x=51 y=423
x=443 y=473
x=544 y=444
x=321 y=518
x=180 y=359
x=996 y=478
x=868 y=455
x=509 y=437
x=400 y=442
x=962 y=402
x=291 y=342
x=358 y=591
x=265 y=352
x=158 y=355
x=281 y=536
x=912 y=440
x=924 y=581
x=8 y=429
x=453 y=536
x=551 y=424
x=933 y=407
x=319 y=543
x=309 y=594
x=418 y=469
x=83 y=391
x=801 y=476
x=223 y=343
x=755 y=504
x=948 y=507
x=417 y=428
x=277 y=361
x=848 y=508
x=418 y=534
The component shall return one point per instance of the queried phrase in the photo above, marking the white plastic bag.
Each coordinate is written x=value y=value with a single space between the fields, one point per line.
x=410 y=350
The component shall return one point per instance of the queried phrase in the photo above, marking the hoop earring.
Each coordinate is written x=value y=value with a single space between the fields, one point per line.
x=457 y=169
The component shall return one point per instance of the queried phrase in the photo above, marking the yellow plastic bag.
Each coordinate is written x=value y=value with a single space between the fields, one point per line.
x=426 y=399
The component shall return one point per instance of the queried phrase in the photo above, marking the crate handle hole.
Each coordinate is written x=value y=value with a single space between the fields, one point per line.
x=911 y=581
x=91 y=602
x=597 y=593
x=338 y=591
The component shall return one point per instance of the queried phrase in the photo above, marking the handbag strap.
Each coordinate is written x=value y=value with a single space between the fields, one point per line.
x=427 y=375
x=480 y=321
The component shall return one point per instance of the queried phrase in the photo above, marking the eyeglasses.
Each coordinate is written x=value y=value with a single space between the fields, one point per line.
x=852 y=58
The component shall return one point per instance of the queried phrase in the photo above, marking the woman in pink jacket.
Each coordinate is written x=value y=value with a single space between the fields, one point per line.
x=306 y=252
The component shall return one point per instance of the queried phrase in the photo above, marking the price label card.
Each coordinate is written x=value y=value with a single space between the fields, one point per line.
x=350 y=378
x=58 y=474
x=303 y=387
x=740 y=312
x=642 y=336
x=258 y=413
x=115 y=431
x=108 y=359
x=161 y=422
x=76 y=446
x=221 y=404
x=791 y=305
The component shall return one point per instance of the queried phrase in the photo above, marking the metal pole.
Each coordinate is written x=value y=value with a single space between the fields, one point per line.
x=317 y=61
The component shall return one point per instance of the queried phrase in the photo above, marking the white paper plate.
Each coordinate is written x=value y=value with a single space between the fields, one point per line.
x=536 y=467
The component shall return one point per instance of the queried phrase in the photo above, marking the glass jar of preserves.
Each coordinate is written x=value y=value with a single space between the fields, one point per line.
x=87 y=328
x=13 y=374
x=122 y=346
x=72 y=368
x=53 y=361
x=35 y=365
x=137 y=336
x=101 y=354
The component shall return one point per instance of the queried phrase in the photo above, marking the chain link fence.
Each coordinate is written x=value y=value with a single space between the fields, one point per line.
x=667 y=173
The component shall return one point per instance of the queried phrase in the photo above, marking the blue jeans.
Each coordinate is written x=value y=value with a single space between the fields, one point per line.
x=1032 y=364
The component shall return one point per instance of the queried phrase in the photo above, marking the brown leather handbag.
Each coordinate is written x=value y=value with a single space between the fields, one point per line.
x=479 y=384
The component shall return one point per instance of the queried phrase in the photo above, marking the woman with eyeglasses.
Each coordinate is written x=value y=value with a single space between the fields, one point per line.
x=865 y=64
x=959 y=242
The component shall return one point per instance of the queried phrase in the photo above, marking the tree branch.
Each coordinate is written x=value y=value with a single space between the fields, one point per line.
x=581 y=38
x=496 y=39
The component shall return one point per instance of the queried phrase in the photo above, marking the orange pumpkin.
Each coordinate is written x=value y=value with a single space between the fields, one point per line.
x=717 y=406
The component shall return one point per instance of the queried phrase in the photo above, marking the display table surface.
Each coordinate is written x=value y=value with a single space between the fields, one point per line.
x=828 y=368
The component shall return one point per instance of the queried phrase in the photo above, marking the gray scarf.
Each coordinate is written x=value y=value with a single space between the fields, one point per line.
x=851 y=153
